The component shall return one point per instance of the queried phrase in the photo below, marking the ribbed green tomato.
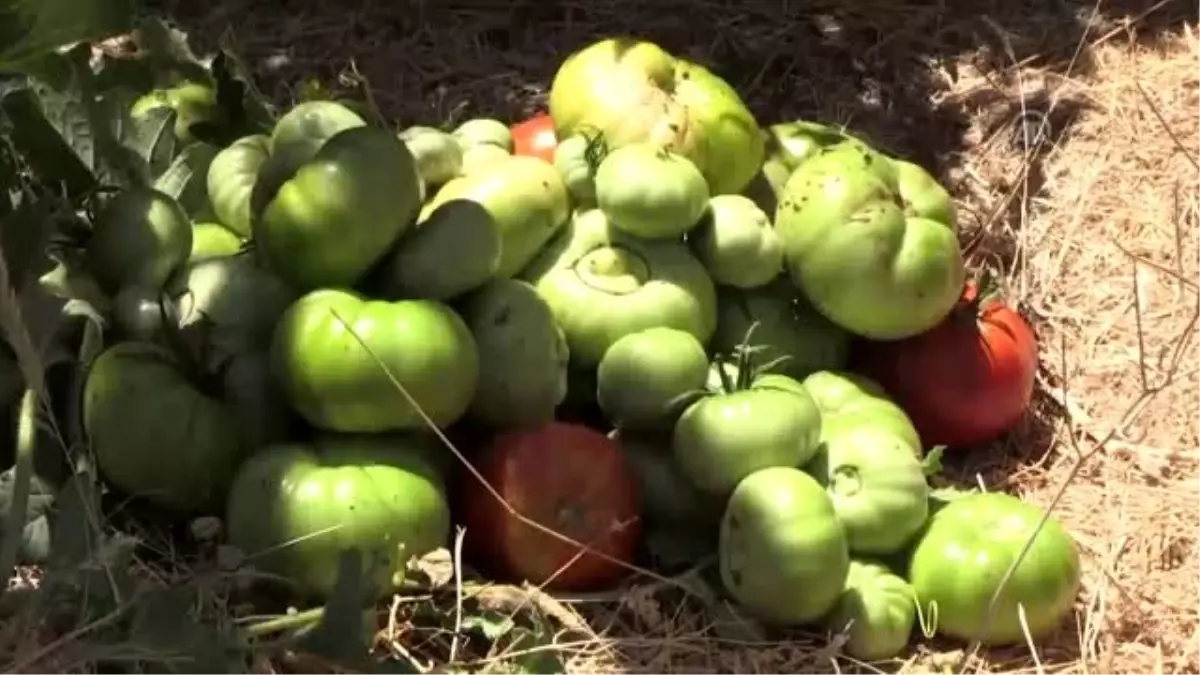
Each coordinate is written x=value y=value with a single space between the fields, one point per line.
x=213 y=240
x=650 y=192
x=603 y=284
x=643 y=376
x=338 y=384
x=438 y=155
x=873 y=245
x=295 y=508
x=484 y=131
x=301 y=132
x=340 y=212
x=967 y=549
x=877 y=609
x=782 y=551
x=850 y=400
x=231 y=178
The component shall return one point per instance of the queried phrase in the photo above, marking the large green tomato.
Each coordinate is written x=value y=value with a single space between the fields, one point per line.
x=793 y=336
x=295 y=509
x=644 y=375
x=338 y=384
x=650 y=192
x=669 y=500
x=873 y=246
x=877 y=609
x=156 y=432
x=603 y=284
x=726 y=436
x=301 y=132
x=523 y=355
x=438 y=155
x=341 y=211
x=877 y=484
x=213 y=240
x=782 y=551
x=966 y=550
x=632 y=91
x=231 y=178
x=141 y=237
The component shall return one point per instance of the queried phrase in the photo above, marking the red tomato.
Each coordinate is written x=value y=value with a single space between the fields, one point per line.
x=966 y=381
x=535 y=137
x=566 y=477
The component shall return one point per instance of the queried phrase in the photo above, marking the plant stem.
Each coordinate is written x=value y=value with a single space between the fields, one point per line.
x=22 y=479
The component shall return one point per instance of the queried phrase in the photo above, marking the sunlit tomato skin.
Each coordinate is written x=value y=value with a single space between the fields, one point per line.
x=566 y=477
x=535 y=137
x=966 y=381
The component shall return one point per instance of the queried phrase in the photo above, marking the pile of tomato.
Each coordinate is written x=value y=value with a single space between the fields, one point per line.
x=642 y=314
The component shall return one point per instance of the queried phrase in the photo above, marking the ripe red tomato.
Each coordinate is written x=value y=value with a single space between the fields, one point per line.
x=566 y=477
x=967 y=380
x=535 y=137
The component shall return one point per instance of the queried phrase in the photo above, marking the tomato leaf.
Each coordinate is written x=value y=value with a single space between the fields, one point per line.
x=186 y=179
x=931 y=464
x=245 y=108
x=492 y=624
x=431 y=571
x=532 y=648
x=30 y=28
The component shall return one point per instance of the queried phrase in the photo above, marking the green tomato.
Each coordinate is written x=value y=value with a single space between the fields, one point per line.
x=851 y=400
x=303 y=130
x=782 y=551
x=141 y=236
x=438 y=154
x=483 y=157
x=155 y=434
x=859 y=250
x=966 y=550
x=603 y=284
x=877 y=485
x=795 y=338
x=138 y=313
x=633 y=91
x=736 y=242
x=523 y=355
x=798 y=141
x=231 y=178
x=213 y=240
x=192 y=102
x=456 y=249
x=724 y=437
x=576 y=167
x=526 y=199
x=338 y=384
x=484 y=131
x=341 y=212
x=296 y=508
x=650 y=192
x=669 y=500
x=877 y=610
x=644 y=375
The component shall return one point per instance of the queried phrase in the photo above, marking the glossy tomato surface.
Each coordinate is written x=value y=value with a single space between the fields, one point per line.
x=966 y=381
x=535 y=137
x=566 y=477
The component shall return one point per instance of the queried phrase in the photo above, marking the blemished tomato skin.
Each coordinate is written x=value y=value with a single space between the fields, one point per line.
x=535 y=137
x=566 y=477
x=966 y=381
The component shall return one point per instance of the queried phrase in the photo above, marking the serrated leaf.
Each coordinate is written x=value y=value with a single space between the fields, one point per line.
x=170 y=52
x=52 y=132
x=931 y=464
x=186 y=179
x=491 y=624
x=150 y=135
x=30 y=28
x=431 y=571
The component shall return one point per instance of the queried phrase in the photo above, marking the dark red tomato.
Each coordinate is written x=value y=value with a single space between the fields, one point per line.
x=535 y=137
x=966 y=381
x=566 y=477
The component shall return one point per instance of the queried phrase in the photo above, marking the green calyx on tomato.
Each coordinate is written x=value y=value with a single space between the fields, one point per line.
x=338 y=383
x=968 y=554
x=603 y=284
x=643 y=377
x=871 y=241
x=747 y=426
x=296 y=507
x=782 y=552
x=341 y=211
x=650 y=191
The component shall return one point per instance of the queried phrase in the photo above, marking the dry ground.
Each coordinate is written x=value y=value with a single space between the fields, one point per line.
x=1068 y=132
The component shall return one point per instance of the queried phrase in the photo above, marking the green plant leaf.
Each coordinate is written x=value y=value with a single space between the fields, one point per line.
x=931 y=464
x=532 y=648
x=244 y=108
x=492 y=624
x=30 y=28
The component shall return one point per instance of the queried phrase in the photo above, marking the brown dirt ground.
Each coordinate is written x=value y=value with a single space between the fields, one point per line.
x=1092 y=216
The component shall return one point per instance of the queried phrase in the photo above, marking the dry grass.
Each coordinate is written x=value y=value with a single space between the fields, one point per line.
x=1092 y=216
